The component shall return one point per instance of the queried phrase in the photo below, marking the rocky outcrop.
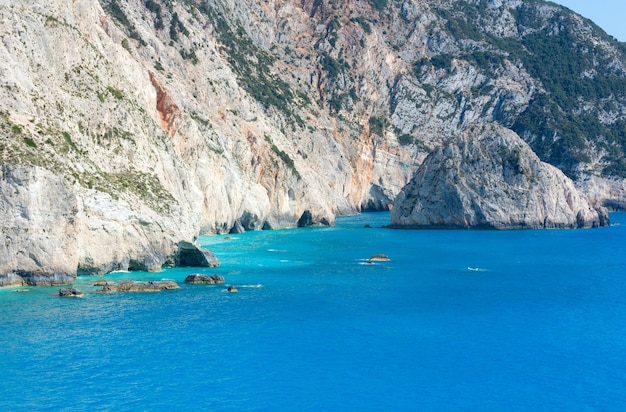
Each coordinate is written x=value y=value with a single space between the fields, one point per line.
x=199 y=278
x=134 y=286
x=609 y=192
x=71 y=293
x=490 y=178
x=190 y=254
x=379 y=257
x=103 y=283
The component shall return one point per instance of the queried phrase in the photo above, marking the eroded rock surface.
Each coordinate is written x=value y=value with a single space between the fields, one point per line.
x=71 y=293
x=199 y=278
x=134 y=286
x=488 y=177
x=190 y=254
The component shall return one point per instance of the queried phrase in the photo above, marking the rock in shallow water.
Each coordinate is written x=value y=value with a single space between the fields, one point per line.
x=103 y=282
x=190 y=254
x=198 y=278
x=489 y=178
x=133 y=286
x=379 y=258
x=71 y=293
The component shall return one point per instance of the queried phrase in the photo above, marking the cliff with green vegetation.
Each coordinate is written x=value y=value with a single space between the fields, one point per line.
x=489 y=178
x=128 y=127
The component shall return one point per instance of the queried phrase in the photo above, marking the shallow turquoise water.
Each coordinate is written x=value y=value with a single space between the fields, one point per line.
x=458 y=320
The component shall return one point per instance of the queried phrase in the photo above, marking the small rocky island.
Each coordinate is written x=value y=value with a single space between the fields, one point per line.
x=135 y=286
x=379 y=257
x=201 y=279
x=71 y=293
x=489 y=178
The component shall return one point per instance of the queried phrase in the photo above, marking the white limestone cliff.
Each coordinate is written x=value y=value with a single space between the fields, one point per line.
x=125 y=134
x=489 y=178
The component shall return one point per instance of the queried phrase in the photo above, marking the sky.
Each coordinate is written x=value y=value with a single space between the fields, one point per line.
x=608 y=14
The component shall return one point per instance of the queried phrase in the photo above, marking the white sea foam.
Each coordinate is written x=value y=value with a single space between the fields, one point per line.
x=367 y=262
x=472 y=269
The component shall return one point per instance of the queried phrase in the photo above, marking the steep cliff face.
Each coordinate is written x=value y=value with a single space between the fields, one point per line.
x=153 y=121
x=142 y=146
x=42 y=209
x=399 y=78
x=488 y=177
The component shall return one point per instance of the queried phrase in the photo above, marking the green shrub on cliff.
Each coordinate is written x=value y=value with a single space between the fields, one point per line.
x=251 y=64
x=575 y=75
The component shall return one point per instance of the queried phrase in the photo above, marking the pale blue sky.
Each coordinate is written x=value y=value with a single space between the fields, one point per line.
x=608 y=14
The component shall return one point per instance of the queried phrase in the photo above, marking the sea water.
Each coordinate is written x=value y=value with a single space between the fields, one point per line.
x=456 y=320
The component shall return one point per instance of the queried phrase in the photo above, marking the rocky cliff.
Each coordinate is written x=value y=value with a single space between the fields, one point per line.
x=488 y=177
x=128 y=127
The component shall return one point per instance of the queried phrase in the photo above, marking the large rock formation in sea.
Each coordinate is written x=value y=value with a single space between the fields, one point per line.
x=135 y=286
x=129 y=127
x=488 y=177
x=199 y=278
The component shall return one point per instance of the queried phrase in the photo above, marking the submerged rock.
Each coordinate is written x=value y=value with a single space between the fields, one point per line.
x=488 y=177
x=198 y=278
x=71 y=293
x=134 y=286
x=232 y=289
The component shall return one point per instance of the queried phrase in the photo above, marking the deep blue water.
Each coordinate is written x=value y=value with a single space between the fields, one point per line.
x=457 y=320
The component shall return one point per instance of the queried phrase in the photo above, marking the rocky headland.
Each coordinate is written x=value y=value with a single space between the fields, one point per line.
x=489 y=178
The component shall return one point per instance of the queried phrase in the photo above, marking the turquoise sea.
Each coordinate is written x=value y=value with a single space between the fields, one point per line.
x=457 y=320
